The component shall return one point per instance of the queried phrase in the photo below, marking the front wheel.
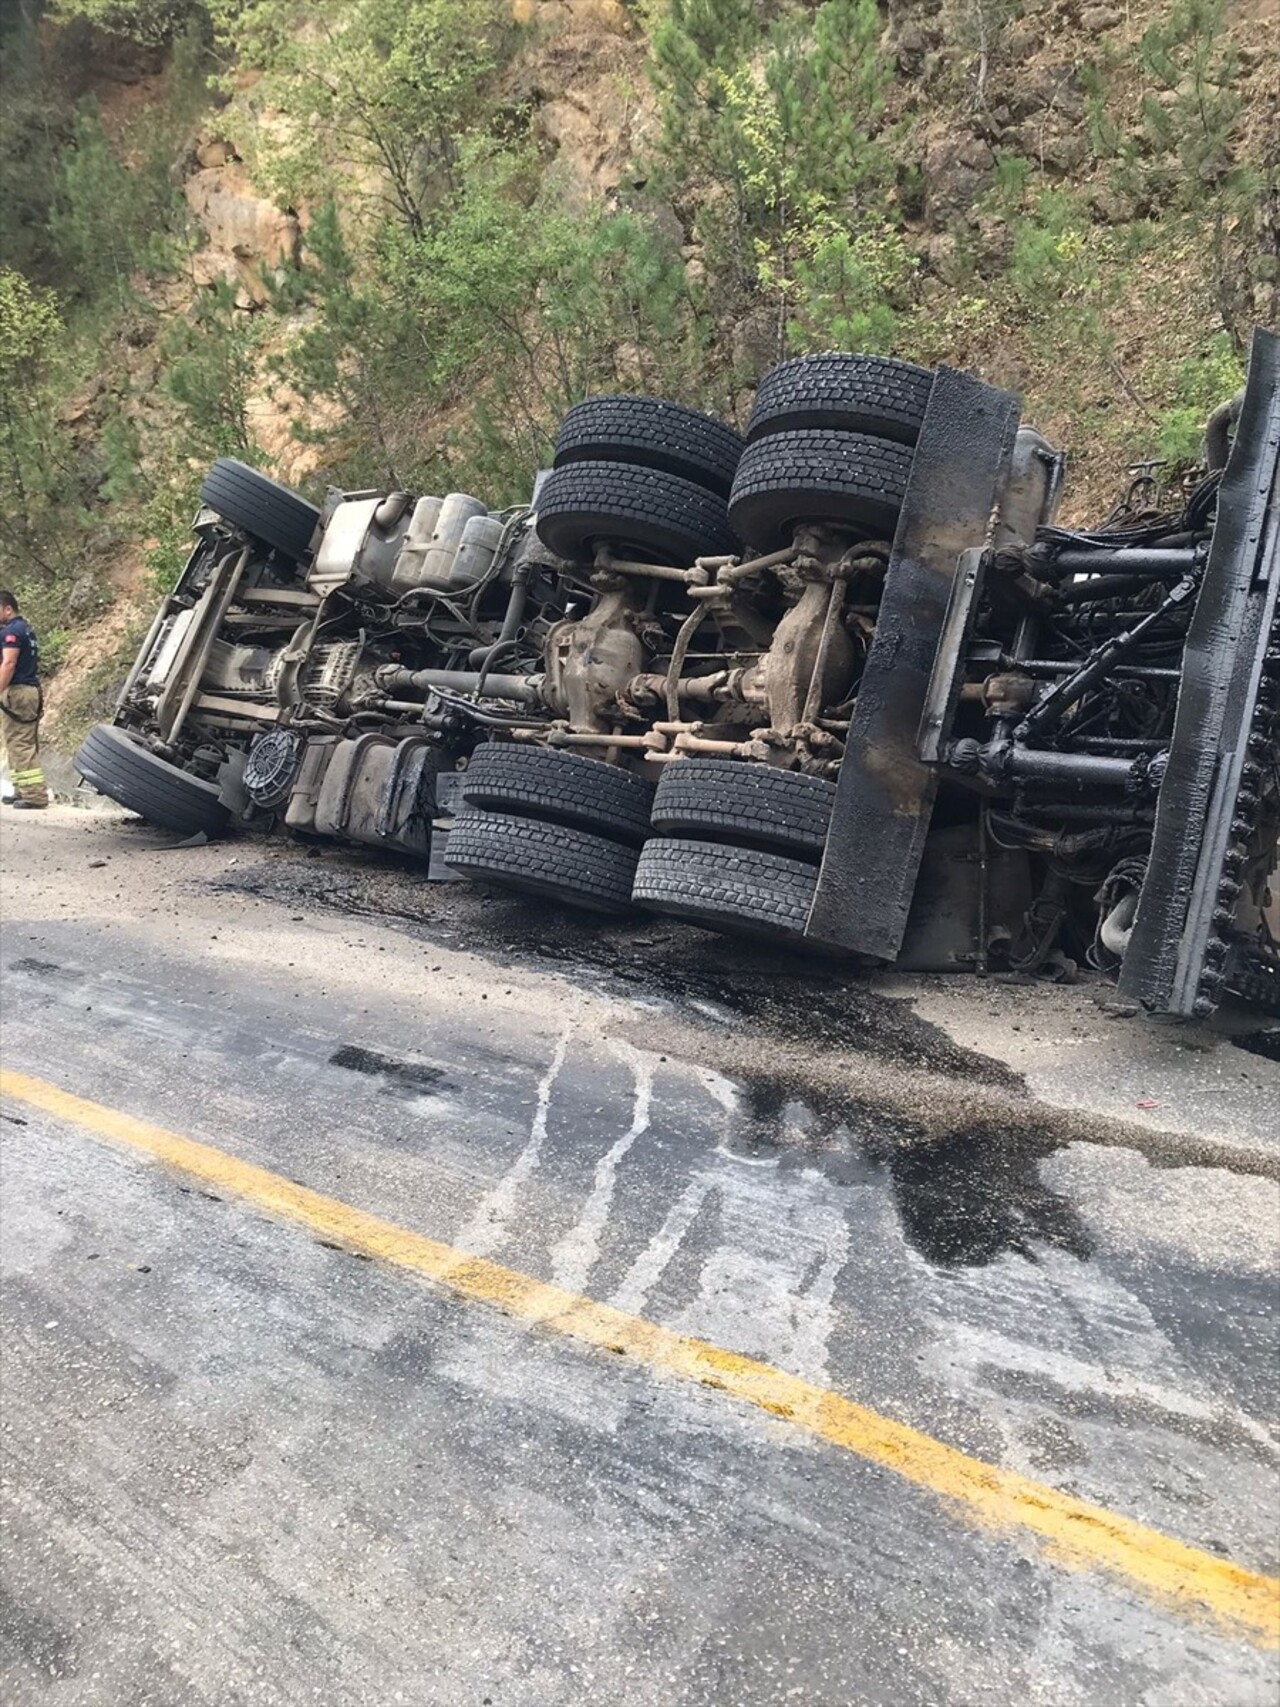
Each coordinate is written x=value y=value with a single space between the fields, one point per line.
x=120 y=766
x=261 y=506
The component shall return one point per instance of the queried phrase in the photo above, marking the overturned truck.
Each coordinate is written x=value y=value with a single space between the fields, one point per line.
x=840 y=682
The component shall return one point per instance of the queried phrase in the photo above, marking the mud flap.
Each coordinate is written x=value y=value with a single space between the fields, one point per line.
x=448 y=804
x=885 y=794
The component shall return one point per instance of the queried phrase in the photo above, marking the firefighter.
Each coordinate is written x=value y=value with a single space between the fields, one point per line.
x=20 y=706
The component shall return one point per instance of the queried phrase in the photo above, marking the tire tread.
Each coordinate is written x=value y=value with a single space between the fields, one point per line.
x=849 y=479
x=143 y=783
x=649 y=432
x=261 y=506
x=555 y=860
x=743 y=802
x=878 y=395
x=658 y=512
x=563 y=788
x=732 y=889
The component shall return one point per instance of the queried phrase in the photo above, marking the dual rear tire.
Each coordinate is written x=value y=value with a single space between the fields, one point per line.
x=738 y=847
x=551 y=823
x=829 y=441
x=643 y=476
x=737 y=850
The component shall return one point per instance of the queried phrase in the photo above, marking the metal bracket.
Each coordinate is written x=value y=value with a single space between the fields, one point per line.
x=946 y=679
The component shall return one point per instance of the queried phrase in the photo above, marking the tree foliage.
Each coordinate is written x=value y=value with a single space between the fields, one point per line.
x=774 y=127
x=30 y=478
x=364 y=98
x=106 y=220
x=29 y=326
x=148 y=21
x=454 y=352
x=457 y=289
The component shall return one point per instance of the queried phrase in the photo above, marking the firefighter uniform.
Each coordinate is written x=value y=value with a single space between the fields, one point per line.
x=20 y=706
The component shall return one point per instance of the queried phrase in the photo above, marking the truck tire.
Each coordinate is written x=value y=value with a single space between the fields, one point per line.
x=852 y=394
x=643 y=511
x=261 y=506
x=563 y=788
x=651 y=433
x=848 y=479
x=739 y=890
x=752 y=805
x=121 y=767
x=537 y=858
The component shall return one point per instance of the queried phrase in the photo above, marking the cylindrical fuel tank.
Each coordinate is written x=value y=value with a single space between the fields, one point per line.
x=481 y=537
x=456 y=511
x=426 y=513
x=408 y=571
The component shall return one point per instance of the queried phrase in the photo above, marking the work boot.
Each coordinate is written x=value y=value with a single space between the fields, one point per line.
x=28 y=805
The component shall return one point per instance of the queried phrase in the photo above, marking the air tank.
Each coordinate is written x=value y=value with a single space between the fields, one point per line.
x=409 y=565
x=473 y=559
x=1030 y=493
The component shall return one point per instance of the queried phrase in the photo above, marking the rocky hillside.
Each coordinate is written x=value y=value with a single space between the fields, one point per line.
x=379 y=243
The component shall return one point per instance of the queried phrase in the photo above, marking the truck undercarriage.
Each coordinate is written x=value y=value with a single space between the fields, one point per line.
x=845 y=685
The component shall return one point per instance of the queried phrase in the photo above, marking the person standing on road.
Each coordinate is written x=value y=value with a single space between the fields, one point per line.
x=21 y=703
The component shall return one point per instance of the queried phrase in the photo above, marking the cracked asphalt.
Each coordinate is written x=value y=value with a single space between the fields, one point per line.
x=241 y=1464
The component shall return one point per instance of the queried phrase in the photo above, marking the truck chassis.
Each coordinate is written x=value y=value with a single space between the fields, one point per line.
x=845 y=686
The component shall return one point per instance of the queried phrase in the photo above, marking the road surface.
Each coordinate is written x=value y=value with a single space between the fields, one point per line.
x=911 y=1386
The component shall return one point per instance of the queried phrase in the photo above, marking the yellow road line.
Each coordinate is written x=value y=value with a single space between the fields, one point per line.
x=1077 y=1535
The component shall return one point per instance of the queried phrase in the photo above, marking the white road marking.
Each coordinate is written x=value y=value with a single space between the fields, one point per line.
x=577 y=1253
x=767 y=1287
x=489 y=1225
x=766 y=1284
x=649 y=1267
x=719 y=1089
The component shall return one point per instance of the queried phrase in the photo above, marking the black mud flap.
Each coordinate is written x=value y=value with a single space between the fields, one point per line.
x=1178 y=957
x=884 y=795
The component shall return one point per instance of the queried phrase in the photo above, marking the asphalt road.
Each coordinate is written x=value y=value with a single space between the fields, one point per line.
x=243 y=1464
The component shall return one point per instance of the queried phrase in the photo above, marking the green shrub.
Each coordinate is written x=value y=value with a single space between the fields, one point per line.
x=849 y=290
x=1200 y=383
x=1013 y=177
x=108 y=220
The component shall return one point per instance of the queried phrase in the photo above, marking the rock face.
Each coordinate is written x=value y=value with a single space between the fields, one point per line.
x=956 y=171
x=582 y=80
x=247 y=234
x=592 y=132
x=274 y=411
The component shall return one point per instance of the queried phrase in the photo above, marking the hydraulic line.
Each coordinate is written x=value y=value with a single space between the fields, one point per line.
x=1047 y=713
x=1057 y=667
x=483 y=656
